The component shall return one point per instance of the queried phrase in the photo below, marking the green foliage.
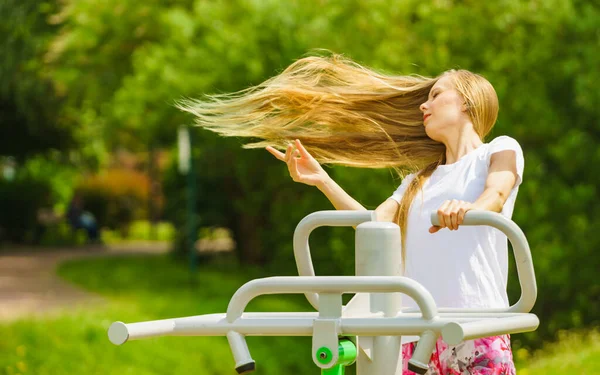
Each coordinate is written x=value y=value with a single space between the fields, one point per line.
x=141 y=230
x=115 y=197
x=29 y=125
x=60 y=175
x=40 y=183
x=20 y=200
x=62 y=234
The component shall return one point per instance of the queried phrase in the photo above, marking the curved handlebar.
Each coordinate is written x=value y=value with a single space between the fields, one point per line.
x=331 y=284
x=521 y=250
x=514 y=234
x=313 y=221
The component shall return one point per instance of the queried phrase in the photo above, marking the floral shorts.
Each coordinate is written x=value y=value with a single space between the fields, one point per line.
x=485 y=356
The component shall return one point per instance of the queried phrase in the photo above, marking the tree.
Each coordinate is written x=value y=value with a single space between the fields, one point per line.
x=29 y=105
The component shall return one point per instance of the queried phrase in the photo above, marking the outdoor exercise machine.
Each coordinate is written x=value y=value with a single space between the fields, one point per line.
x=369 y=328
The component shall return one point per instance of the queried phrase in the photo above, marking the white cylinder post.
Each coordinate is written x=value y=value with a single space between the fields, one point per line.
x=243 y=361
x=378 y=253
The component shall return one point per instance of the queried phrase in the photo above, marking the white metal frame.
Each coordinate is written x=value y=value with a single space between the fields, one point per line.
x=374 y=315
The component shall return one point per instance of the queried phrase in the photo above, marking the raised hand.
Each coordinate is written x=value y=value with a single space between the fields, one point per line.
x=302 y=166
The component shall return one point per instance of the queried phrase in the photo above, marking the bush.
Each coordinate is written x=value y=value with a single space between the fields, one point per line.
x=20 y=200
x=62 y=234
x=116 y=197
x=141 y=230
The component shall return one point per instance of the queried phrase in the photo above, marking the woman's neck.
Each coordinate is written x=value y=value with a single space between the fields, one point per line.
x=461 y=144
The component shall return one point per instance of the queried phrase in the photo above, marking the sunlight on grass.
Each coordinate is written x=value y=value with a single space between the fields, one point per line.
x=141 y=230
x=140 y=288
x=573 y=353
x=146 y=288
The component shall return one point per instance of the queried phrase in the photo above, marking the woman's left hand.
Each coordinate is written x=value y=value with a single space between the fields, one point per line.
x=451 y=214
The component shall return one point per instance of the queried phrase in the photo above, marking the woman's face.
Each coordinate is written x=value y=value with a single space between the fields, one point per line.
x=444 y=110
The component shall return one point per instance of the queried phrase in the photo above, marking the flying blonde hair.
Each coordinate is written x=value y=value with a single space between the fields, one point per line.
x=346 y=114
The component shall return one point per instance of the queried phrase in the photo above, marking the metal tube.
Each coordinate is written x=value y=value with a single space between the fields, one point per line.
x=330 y=284
x=376 y=254
x=521 y=250
x=419 y=362
x=119 y=332
x=313 y=221
x=301 y=324
x=243 y=361
x=454 y=333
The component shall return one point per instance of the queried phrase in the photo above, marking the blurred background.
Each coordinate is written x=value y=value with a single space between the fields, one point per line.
x=92 y=187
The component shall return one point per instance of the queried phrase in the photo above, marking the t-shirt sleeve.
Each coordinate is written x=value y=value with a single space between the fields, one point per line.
x=397 y=196
x=505 y=143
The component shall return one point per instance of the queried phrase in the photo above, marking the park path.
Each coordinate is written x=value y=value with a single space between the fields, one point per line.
x=29 y=285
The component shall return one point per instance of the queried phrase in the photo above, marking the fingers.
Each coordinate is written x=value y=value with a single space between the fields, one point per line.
x=301 y=165
x=293 y=168
x=290 y=157
x=295 y=150
x=278 y=154
x=451 y=215
x=288 y=153
x=302 y=150
x=441 y=214
x=292 y=162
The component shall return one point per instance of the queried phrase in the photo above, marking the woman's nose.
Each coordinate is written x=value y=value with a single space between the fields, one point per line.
x=423 y=107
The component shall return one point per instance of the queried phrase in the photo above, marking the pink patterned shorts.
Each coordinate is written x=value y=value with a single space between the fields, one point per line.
x=485 y=356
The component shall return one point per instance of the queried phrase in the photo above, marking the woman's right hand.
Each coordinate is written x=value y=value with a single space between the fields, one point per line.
x=302 y=166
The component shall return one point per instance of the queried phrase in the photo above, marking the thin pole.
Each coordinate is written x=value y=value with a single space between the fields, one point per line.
x=191 y=210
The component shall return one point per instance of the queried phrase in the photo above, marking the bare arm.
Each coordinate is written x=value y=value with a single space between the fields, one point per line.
x=305 y=169
x=502 y=176
x=338 y=197
x=387 y=211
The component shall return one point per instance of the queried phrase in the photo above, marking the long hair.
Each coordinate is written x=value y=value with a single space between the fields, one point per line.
x=344 y=114
x=481 y=104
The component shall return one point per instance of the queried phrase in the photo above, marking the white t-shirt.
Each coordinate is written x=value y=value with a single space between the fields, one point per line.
x=467 y=267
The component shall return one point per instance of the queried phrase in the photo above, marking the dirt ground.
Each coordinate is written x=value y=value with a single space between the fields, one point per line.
x=29 y=284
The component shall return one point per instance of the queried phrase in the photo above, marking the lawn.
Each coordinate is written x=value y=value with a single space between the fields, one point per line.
x=576 y=353
x=146 y=288
x=155 y=287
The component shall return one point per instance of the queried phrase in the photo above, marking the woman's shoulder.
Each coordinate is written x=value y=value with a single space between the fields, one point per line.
x=502 y=143
x=502 y=139
x=506 y=143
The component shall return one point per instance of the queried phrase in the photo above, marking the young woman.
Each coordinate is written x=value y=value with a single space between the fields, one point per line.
x=431 y=130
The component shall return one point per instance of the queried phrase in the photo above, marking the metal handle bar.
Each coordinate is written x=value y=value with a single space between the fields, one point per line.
x=514 y=234
x=331 y=284
x=521 y=250
x=319 y=219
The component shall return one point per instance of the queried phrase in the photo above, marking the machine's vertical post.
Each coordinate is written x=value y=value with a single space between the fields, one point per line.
x=378 y=254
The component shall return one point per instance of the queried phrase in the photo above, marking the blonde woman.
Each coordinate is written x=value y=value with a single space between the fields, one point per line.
x=431 y=130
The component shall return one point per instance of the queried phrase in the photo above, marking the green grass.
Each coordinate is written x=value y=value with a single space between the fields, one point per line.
x=155 y=287
x=574 y=353
x=146 y=288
